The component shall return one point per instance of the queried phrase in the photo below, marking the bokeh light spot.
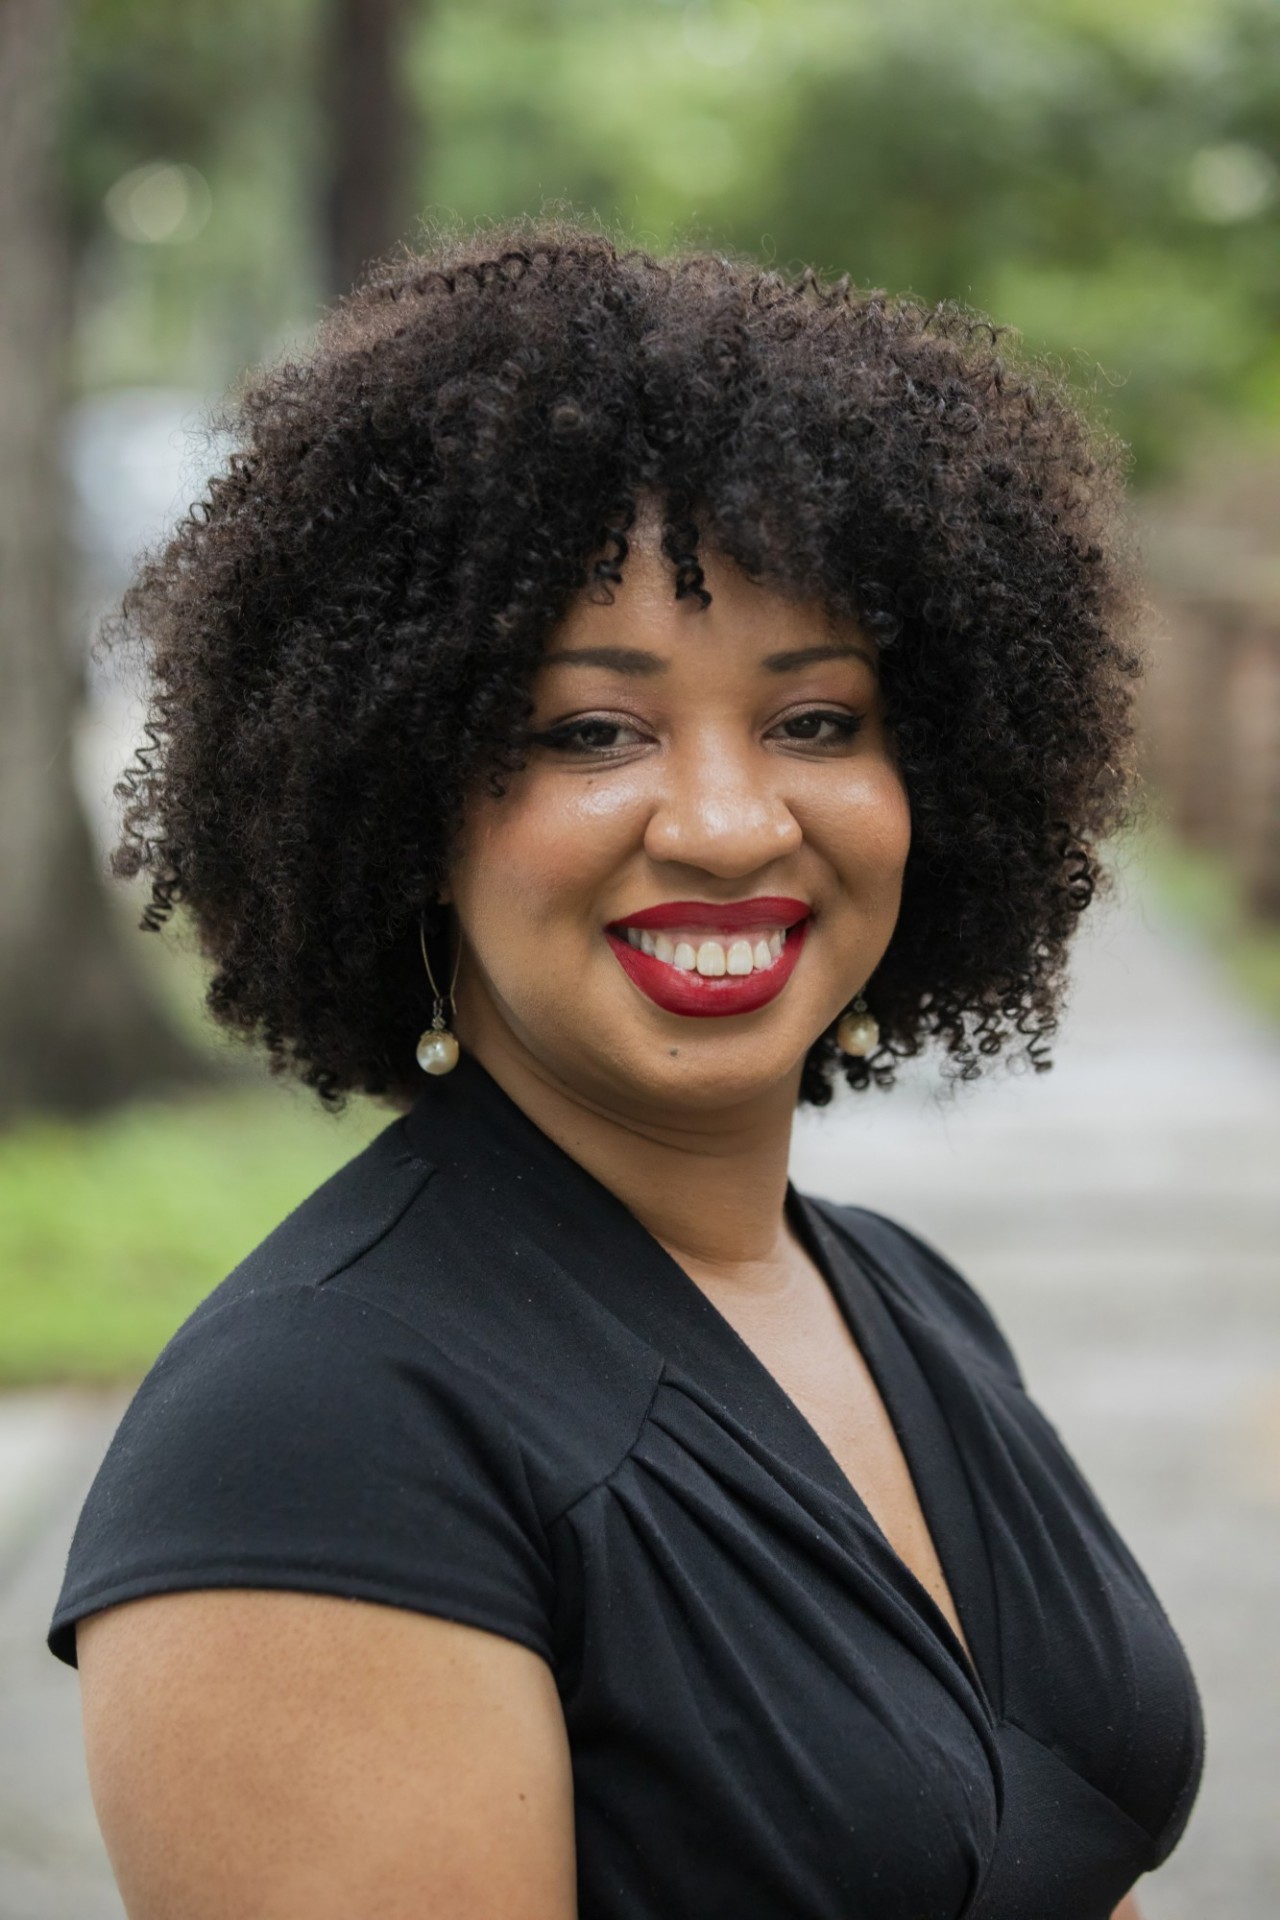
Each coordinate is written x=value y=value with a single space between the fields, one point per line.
x=722 y=35
x=159 y=204
x=1231 y=182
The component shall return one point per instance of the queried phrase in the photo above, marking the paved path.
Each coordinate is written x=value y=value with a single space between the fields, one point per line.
x=52 y=1866
x=1121 y=1214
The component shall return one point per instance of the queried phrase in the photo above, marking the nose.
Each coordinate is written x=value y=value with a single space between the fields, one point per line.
x=722 y=809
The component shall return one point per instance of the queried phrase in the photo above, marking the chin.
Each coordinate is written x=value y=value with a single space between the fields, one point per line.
x=705 y=1072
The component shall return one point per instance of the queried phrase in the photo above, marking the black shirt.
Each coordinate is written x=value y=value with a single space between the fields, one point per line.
x=461 y=1377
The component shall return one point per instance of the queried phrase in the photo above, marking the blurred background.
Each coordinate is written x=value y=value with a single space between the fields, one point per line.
x=182 y=188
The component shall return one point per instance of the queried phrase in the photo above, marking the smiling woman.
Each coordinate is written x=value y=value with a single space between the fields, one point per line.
x=721 y=683
x=676 y=747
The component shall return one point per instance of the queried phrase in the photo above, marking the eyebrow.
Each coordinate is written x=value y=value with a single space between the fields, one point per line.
x=639 y=664
x=809 y=656
x=630 y=660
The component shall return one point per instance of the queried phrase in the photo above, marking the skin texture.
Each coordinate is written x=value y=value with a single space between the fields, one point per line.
x=290 y=1757
x=708 y=790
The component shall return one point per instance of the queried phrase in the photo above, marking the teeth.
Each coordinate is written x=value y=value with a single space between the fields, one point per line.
x=711 y=958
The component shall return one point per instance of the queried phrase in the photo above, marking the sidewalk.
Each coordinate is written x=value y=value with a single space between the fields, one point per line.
x=1122 y=1216
x=52 y=1864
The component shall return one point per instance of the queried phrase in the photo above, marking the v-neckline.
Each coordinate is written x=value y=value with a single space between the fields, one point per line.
x=680 y=1321
x=927 y=1444
x=928 y=1448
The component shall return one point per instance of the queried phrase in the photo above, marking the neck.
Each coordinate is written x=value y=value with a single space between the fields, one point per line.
x=709 y=1186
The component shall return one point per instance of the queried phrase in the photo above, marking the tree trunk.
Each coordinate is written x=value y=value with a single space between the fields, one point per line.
x=368 y=125
x=78 y=1030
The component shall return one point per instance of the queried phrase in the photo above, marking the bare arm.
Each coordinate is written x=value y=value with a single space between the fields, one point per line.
x=1127 y=1910
x=287 y=1756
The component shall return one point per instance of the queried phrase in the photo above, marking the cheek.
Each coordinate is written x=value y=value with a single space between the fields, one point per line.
x=864 y=828
x=549 y=844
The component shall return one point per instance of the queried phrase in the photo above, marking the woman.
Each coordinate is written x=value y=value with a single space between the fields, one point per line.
x=640 y=693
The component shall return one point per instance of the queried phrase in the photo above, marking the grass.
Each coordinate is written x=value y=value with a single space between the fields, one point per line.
x=112 y=1230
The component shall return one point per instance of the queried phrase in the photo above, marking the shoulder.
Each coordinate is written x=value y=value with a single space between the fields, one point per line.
x=401 y=1264
x=334 y=1229
x=381 y=1400
x=923 y=1283
x=395 y=1295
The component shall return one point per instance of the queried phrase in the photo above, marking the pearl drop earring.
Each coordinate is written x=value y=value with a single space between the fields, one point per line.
x=438 y=1048
x=859 y=1031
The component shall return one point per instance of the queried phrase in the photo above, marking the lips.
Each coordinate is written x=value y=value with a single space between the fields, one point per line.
x=686 y=991
x=730 y=916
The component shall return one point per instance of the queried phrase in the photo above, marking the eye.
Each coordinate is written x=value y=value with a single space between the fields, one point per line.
x=819 y=727
x=592 y=734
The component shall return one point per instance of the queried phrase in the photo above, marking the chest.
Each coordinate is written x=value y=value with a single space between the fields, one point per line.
x=802 y=1339
x=749 y=1674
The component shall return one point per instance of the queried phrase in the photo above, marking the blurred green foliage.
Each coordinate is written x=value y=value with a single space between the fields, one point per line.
x=111 y=1231
x=1102 y=174
x=1104 y=177
x=227 y=89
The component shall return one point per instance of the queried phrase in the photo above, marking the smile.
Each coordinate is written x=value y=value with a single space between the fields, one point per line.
x=696 y=958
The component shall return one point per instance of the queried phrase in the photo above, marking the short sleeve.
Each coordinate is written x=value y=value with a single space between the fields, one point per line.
x=302 y=1437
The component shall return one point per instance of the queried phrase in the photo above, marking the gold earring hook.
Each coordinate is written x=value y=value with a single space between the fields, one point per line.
x=437 y=1047
x=422 y=941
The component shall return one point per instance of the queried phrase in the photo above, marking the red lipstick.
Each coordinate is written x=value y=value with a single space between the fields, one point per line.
x=728 y=916
x=691 y=993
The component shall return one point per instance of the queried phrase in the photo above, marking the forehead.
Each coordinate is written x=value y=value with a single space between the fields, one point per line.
x=743 y=614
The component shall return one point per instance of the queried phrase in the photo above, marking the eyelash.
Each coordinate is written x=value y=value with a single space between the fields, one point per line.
x=560 y=738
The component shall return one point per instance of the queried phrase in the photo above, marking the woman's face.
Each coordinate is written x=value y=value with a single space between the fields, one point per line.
x=701 y=863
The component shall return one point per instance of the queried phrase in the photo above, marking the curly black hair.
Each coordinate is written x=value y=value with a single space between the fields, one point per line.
x=341 y=635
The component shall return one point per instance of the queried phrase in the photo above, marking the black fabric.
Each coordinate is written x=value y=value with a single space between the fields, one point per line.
x=463 y=1378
